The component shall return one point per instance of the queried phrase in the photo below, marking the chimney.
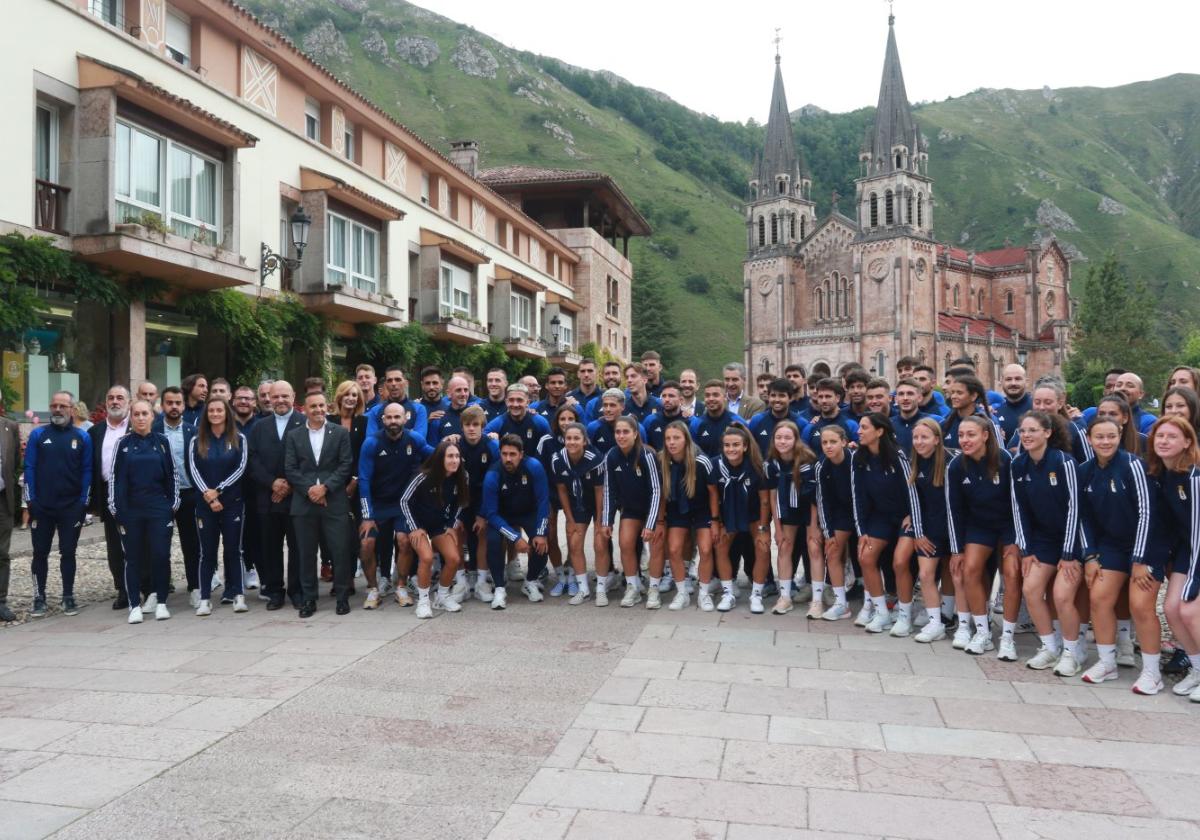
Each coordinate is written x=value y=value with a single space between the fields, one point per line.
x=465 y=155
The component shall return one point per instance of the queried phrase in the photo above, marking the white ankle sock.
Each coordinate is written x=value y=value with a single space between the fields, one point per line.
x=981 y=624
x=756 y=590
x=1108 y=654
x=1151 y=665
x=1124 y=630
x=906 y=610
x=727 y=586
x=1009 y=628
x=935 y=616
x=1050 y=643
x=839 y=595
x=817 y=588
x=654 y=582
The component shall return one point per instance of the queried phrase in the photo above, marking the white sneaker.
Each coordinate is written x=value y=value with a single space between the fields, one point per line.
x=653 y=598
x=902 y=628
x=161 y=613
x=578 y=598
x=532 y=591
x=358 y=572
x=962 y=636
x=151 y=602
x=252 y=578
x=802 y=594
x=1188 y=684
x=484 y=590
x=372 y=600
x=1147 y=685
x=513 y=571
x=1195 y=696
x=459 y=591
x=386 y=586
x=1043 y=659
x=1067 y=666
x=756 y=604
x=403 y=597
x=728 y=599
x=931 y=633
x=204 y=608
x=424 y=608
x=864 y=615
x=783 y=605
x=239 y=604
x=881 y=621
x=135 y=615
x=816 y=609
x=194 y=598
x=666 y=582
x=1008 y=649
x=980 y=643
x=601 y=598
x=1100 y=672
x=217 y=583
x=500 y=598
x=704 y=601
x=448 y=603
x=681 y=601
x=837 y=612
x=920 y=619
x=1125 y=655
x=632 y=597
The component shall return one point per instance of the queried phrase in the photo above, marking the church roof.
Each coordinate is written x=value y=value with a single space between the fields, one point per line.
x=997 y=258
x=779 y=150
x=976 y=327
x=894 y=123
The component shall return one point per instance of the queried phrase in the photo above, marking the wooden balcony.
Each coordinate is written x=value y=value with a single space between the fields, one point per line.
x=176 y=260
x=50 y=206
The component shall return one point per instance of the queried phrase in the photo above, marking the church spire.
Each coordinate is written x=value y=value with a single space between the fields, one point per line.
x=894 y=123
x=780 y=156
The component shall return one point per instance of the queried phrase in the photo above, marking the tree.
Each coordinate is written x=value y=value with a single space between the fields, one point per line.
x=653 y=327
x=1114 y=328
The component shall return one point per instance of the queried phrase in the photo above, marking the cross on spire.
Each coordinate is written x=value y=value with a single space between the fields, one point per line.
x=778 y=38
x=891 y=13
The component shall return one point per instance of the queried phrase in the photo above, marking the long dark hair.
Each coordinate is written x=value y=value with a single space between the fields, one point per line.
x=204 y=433
x=1188 y=396
x=752 y=456
x=889 y=448
x=556 y=419
x=434 y=470
x=1055 y=424
x=991 y=451
x=1130 y=441
x=631 y=421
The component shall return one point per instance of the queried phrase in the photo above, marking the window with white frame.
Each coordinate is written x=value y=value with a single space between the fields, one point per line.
x=106 y=10
x=160 y=176
x=179 y=37
x=455 y=292
x=349 y=137
x=351 y=254
x=521 y=315
x=45 y=163
x=566 y=330
x=312 y=119
x=424 y=187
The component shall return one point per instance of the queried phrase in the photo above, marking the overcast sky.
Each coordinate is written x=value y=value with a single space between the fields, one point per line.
x=716 y=57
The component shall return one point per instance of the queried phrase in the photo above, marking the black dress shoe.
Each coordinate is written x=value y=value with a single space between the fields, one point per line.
x=343 y=607
x=121 y=603
x=275 y=602
x=307 y=609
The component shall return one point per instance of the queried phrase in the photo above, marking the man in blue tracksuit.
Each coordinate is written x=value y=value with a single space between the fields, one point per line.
x=458 y=399
x=708 y=427
x=520 y=421
x=655 y=426
x=395 y=390
x=179 y=433
x=762 y=425
x=906 y=412
x=388 y=460
x=516 y=505
x=828 y=397
x=58 y=480
x=497 y=387
x=1016 y=404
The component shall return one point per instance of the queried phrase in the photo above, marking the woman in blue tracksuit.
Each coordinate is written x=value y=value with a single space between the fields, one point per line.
x=632 y=485
x=740 y=503
x=577 y=471
x=884 y=500
x=835 y=505
x=1045 y=498
x=1114 y=407
x=1119 y=544
x=216 y=462
x=790 y=471
x=548 y=447
x=686 y=475
x=1174 y=459
x=979 y=516
x=143 y=494
x=967 y=398
x=927 y=536
x=432 y=507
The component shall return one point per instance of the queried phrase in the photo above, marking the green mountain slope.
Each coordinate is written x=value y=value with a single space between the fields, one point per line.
x=1100 y=168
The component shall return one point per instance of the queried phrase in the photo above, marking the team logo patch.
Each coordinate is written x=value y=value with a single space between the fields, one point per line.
x=524 y=480
x=1053 y=479
x=996 y=479
x=74 y=443
x=1112 y=486
x=1182 y=493
x=529 y=433
x=966 y=481
x=483 y=458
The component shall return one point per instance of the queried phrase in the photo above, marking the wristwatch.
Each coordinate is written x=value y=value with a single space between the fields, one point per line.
x=763 y=529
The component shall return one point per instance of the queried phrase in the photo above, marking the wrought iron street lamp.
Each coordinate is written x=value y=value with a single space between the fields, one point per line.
x=298 y=225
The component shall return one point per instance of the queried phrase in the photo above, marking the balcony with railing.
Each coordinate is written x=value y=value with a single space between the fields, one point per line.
x=50 y=206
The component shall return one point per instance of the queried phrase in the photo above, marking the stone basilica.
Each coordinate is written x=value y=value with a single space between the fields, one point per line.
x=876 y=286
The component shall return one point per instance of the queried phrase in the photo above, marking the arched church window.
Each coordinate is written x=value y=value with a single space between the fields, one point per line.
x=792 y=227
x=774 y=228
x=762 y=232
x=754 y=191
x=1049 y=304
x=820 y=296
x=908 y=210
x=981 y=300
x=889 y=213
x=920 y=211
x=1008 y=301
x=830 y=301
x=802 y=227
x=874 y=210
x=956 y=297
x=880 y=360
x=899 y=161
x=782 y=186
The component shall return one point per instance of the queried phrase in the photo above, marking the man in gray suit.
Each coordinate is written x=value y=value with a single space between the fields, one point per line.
x=740 y=403
x=317 y=463
x=10 y=494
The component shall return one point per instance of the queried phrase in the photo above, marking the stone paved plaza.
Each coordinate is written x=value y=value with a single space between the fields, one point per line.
x=550 y=721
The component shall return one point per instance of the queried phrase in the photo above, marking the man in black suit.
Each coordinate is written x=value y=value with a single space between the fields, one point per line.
x=104 y=452
x=317 y=465
x=265 y=445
